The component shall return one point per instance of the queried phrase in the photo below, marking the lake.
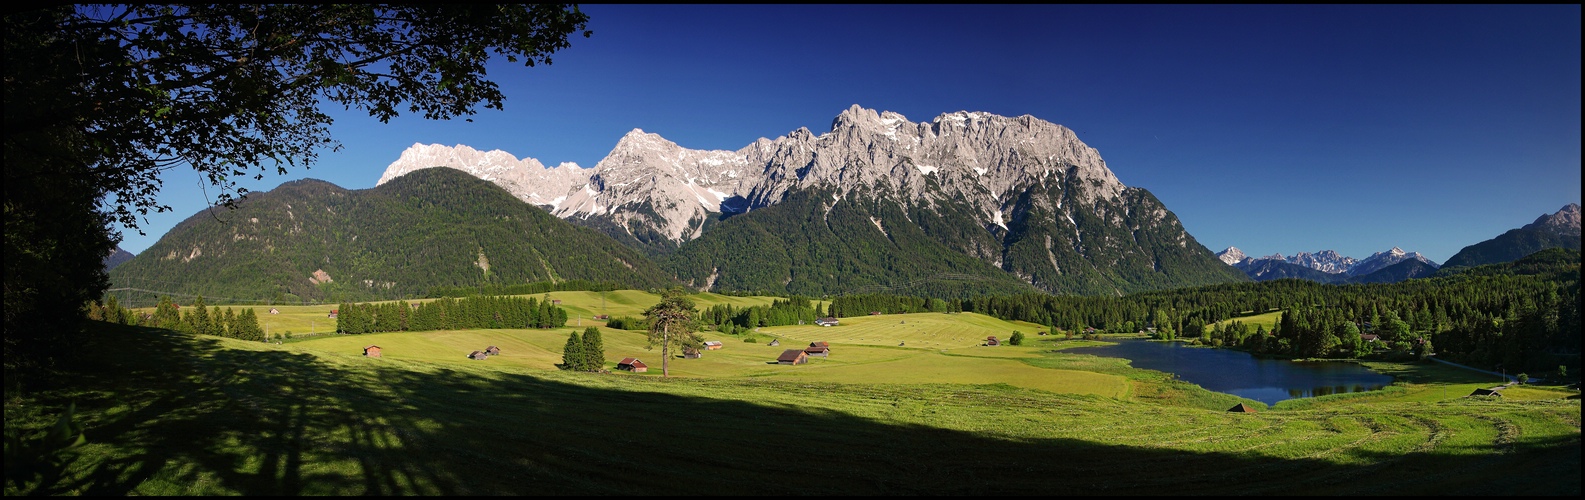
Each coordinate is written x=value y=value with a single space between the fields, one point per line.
x=1241 y=374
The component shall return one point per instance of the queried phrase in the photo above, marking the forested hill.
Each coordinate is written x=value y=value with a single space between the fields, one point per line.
x=312 y=240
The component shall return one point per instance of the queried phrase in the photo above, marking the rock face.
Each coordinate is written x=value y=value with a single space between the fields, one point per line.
x=1019 y=193
x=1231 y=256
x=1377 y=261
x=526 y=179
x=1565 y=222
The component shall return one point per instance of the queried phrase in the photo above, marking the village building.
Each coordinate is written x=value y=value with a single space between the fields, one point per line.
x=713 y=345
x=793 y=357
x=372 y=351
x=820 y=351
x=478 y=355
x=1369 y=337
x=1241 y=408
x=632 y=365
x=492 y=350
x=820 y=344
x=826 y=321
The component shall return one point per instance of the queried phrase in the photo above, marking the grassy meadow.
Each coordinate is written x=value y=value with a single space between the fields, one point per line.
x=1268 y=320
x=173 y=414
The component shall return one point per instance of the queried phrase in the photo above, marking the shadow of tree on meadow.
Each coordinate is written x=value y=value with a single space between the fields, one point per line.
x=205 y=418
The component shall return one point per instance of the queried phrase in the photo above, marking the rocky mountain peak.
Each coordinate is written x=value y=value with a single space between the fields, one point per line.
x=1566 y=221
x=528 y=179
x=1231 y=256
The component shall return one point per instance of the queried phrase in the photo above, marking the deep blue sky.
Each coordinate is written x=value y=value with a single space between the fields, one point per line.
x=1270 y=128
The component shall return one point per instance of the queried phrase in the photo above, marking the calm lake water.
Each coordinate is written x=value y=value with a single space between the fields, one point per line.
x=1240 y=374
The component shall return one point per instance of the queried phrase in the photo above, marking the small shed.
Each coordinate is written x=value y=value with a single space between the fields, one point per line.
x=492 y=350
x=792 y=357
x=820 y=351
x=555 y=302
x=900 y=344
x=478 y=355
x=774 y=343
x=1493 y=392
x=991 y=341
x=875 y=313
x=333 y=313
x=632 y=365
x=826 y=321
x=274 y=311
x=712 y=345
x=692 y=354
x=602 y=316
x=372 y=351
x=1241 y=408
x=820 y=344
x=1369 y=337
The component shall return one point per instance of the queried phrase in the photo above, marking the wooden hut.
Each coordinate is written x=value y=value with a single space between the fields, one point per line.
x=774 y=342
x=713 y=345
x=478 y=355
x=274 y=311
x=1241 y=408
x=826 y=321
x=333 y=313
x=492 y=350
x=792 y=357
x=692 y=354
x=632 y=365
x=820 y=344
x=1493 y=392
x=821 y=351
x=372 y=351
x=991 y=341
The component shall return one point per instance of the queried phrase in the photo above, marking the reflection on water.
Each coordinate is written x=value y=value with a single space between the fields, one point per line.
x=1240 y=374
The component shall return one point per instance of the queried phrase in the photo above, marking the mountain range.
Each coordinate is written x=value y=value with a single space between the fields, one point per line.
x=1328 y=266
x=876 y=203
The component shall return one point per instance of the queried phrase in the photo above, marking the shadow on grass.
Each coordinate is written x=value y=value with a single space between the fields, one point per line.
x=196 y=417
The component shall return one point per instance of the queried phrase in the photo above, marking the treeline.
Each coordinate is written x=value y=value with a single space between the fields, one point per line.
x=525 y=288
x=860 y=305
x=449 y=314
x=1522 y=315
x=196 y=318
x=792 y=311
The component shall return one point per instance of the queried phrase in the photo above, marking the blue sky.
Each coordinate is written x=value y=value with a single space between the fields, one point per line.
x=1271 y=128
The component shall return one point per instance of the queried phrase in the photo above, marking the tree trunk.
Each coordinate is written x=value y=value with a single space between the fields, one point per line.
x=665 y=353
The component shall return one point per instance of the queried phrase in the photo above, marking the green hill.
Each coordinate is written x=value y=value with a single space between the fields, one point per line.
x=1511 y=246
x=310 y=240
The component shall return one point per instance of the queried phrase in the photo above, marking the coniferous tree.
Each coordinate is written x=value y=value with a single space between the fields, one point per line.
x=593 y=350
x=572 y=357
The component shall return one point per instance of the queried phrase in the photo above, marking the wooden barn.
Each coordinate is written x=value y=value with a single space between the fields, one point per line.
x=478 y=355
x=991 y=341
x=774 y=343
x=820 y=344
x=632 y=365
x=555 y=302
x=492 y=350
x=792 y=357
x=372 y=351
x=692 y=354
x=1493 y=392
x=713 y=345
x=820 y=351
x=274 y=311
x=826 y=321
x=1241 y=408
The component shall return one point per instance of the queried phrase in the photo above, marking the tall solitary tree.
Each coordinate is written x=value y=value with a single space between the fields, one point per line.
x=670 y=322
x=101 y=99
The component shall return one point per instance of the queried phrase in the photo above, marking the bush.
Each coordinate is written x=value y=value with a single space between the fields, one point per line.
x=751 y=340
x=1016 y=339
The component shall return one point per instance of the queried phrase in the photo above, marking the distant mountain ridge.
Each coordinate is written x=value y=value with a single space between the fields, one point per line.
x=117 y=257
x=1560 y=229
x=1324 y=266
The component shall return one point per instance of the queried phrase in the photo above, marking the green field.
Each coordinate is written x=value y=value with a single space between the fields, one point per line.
x=168 y=413
x=1268 y=320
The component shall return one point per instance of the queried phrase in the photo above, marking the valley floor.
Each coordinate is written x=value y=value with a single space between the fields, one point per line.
x=173 y=414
